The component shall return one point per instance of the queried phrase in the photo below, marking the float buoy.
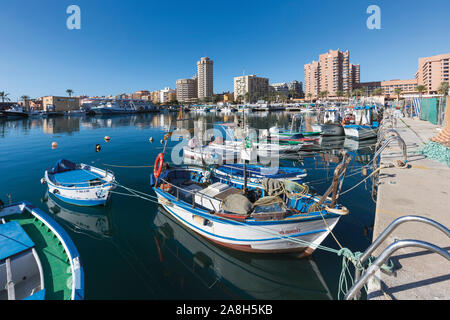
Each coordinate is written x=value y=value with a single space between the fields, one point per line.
x=54 y=145
x=98 y=148
x=151 y=139
x=162 y=141
x=158 y=165
x=107 y=138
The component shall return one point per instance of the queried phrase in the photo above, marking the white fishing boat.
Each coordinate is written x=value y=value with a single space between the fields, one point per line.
x=331 y=125
x=79 y=184
x=365 y=127
x=280 y=217
x=15 y=112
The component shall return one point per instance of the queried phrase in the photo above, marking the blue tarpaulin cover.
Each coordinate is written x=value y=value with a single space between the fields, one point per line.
x=76 y=177
x=63 y=165
x=13 y=239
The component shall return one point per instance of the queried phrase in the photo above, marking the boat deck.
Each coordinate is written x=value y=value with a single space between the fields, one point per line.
x=55 y=262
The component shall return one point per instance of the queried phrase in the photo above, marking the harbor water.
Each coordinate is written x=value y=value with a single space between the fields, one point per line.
x=132 y=249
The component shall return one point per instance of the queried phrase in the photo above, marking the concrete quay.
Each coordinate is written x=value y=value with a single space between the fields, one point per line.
x=423 y=189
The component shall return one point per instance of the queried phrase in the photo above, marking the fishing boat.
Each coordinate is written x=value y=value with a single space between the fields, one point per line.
x=233 y=174
x=15 y=112
x=283 y=133
x=331 y=125
x=38 y=260
x=282 y=216
x=79 y=184
x=195 y=153
x=365 y=126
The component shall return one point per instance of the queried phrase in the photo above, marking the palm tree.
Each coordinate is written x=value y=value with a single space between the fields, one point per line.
x=24 y=99
x=377 y=92
x=339 y=93
x=69 y=92
x=443 y=88
x=4 y=96
x=310 y=96
x=398 y=92
x=421 y=89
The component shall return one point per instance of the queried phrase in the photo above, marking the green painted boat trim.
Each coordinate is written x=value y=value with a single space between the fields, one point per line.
x=55 y=262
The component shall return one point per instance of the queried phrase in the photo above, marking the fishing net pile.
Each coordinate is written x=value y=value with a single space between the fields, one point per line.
x=436 y=151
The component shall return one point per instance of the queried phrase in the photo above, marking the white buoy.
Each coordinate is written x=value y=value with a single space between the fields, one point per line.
x=151 y=139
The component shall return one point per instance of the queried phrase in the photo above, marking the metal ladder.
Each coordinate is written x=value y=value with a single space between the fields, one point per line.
x=361 y=279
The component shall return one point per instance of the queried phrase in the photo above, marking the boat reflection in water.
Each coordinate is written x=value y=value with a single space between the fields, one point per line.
x=91 y=221
x=234 y=274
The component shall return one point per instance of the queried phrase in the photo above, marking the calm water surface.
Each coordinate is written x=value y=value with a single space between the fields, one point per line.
x=132 y=249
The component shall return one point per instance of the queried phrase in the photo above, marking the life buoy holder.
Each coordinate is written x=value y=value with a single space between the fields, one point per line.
x=158 y=165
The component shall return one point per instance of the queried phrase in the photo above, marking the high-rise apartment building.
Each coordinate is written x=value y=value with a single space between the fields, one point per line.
x=205 y=78
x=186 y=89
x=433 y=71
x=312 y=79
x=256 y=87
x=332 y=73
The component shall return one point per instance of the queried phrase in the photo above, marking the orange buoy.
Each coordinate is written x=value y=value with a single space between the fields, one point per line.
x=54 y=145
x=107 y=138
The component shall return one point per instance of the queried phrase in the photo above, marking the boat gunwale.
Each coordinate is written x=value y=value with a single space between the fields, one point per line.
x=69 y=247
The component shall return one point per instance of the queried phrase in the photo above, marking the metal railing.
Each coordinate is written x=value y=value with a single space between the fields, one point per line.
x=361 y=280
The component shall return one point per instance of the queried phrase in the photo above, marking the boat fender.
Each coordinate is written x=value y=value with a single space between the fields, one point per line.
x=340 y=211
x=98 y=148
x=43 y=180
x=158 y=165
x=56 y=191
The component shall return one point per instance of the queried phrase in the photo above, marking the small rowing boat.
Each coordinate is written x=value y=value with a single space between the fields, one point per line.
x=79 y=184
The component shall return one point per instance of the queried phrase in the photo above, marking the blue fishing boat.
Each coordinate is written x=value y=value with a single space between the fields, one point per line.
x=79 y=184
x=281 y=216
x=38 y=260
x=234 y=173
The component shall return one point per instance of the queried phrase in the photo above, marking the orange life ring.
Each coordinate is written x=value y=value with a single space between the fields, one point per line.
x=158 y=165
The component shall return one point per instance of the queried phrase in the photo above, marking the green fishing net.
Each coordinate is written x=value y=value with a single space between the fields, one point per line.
x=436 y=151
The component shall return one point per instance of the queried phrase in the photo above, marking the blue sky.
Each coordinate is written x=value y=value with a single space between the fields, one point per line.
x=125 y=46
